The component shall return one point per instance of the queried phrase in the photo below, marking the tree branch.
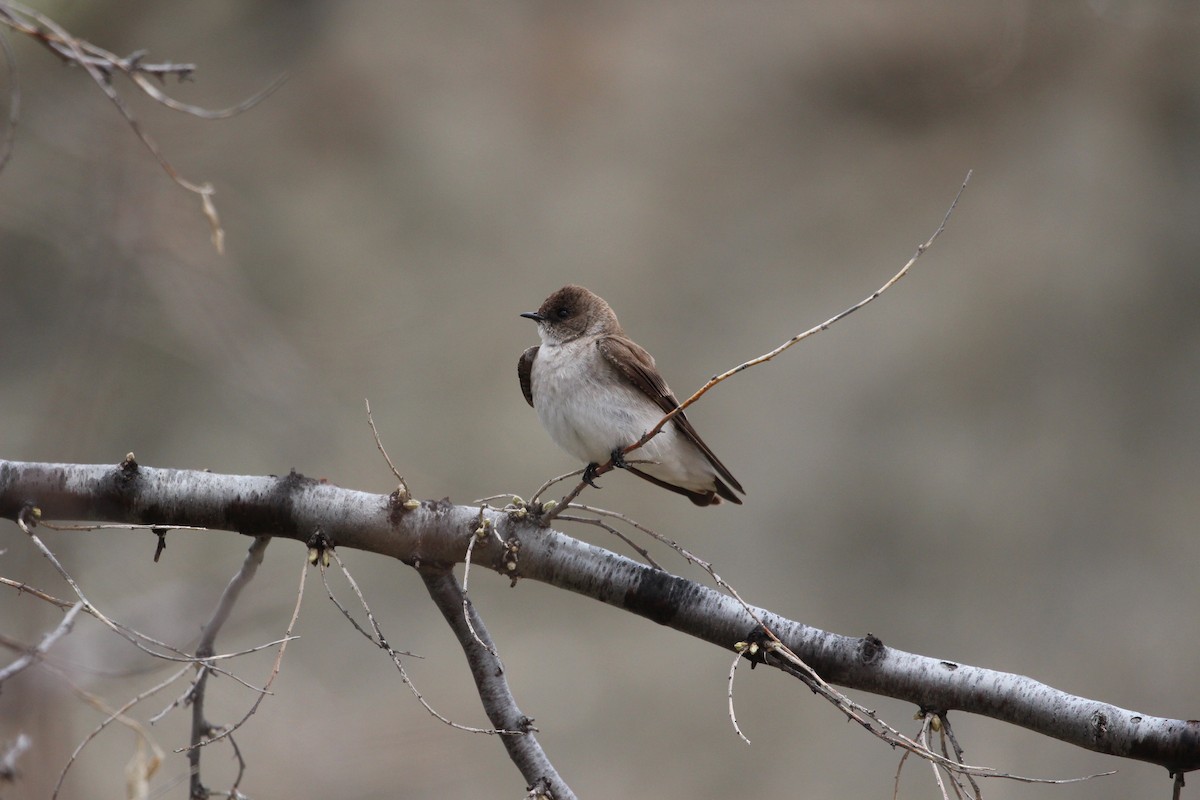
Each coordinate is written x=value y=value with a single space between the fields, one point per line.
x=488 y=672
x=101 y=65
x=202 y=729
x=435 y=535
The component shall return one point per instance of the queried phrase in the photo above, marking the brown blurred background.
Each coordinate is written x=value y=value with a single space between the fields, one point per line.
x=995 y=463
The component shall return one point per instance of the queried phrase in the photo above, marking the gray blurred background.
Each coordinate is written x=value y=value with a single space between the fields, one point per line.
x=995 y=463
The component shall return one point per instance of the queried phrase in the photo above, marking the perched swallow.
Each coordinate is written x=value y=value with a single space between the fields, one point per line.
x=596 y=392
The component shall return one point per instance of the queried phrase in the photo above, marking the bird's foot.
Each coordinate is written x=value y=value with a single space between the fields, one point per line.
x=589 y=474
x=617 y=456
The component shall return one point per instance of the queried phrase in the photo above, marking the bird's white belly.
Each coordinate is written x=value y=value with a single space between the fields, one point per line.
x=589 y=418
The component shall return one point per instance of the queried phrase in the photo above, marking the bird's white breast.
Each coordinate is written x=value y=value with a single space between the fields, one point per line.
x=589 y=412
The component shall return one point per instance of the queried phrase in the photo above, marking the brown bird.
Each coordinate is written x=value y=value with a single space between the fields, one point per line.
x=596 y=392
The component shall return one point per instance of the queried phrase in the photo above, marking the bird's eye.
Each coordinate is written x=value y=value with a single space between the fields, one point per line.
x=563 y=312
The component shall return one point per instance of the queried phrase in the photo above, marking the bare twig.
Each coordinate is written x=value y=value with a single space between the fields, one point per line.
x=25 y=588
x=481 y=533
x=174 y=655
x=64 y=627
x=350 y=617
x=553 y=481
x=139 y=77
x=824 y=326
x=923 y=738
x=101 y=65
x=121 y=527
x=729 y=692
x=201 y=727
x=381 y=641
x=405 y=494
x=27 y=518
x=589 y=521
x=17 y=17
x=203 y=733
x=114 y=715
x=947 y=732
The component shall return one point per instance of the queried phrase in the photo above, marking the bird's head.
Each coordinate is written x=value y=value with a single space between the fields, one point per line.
x=571 y=312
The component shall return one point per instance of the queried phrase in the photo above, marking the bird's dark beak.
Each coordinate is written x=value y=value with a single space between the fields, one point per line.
x=533 y=315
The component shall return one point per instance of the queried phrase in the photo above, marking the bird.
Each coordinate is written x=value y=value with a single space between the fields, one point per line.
x=596 y=391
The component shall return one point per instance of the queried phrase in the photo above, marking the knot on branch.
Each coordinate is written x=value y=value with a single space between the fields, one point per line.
x=871 y=650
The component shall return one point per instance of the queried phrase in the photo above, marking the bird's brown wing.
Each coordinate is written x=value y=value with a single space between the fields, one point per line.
x=524 y=368
x=632 y=361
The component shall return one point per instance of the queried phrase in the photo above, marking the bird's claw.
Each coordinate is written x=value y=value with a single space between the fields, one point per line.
x=617 y=457
x=589 y=475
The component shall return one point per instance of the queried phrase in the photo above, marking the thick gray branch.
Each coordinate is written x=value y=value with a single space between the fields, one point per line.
x=436 y=533
x=488 y=672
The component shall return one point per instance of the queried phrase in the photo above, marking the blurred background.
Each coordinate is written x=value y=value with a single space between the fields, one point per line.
x=995 y=463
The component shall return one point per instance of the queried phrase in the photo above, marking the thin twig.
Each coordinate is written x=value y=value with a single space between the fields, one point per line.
x=551 y=482
x=36 y=654
x=948 y=733
x=923 y=738
x=381 y=641
x=132 y=635
x=139 y=77
x=589 y=521
x=27 y=518
x=350 y=618
x=114 y=715
x=729 y=692
x=481 y=532
x=101 y=64
x=379 y=443
x=201 y=727
x=121 y=526
x=25 y=588
x=275 y=667
x=824 y=326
